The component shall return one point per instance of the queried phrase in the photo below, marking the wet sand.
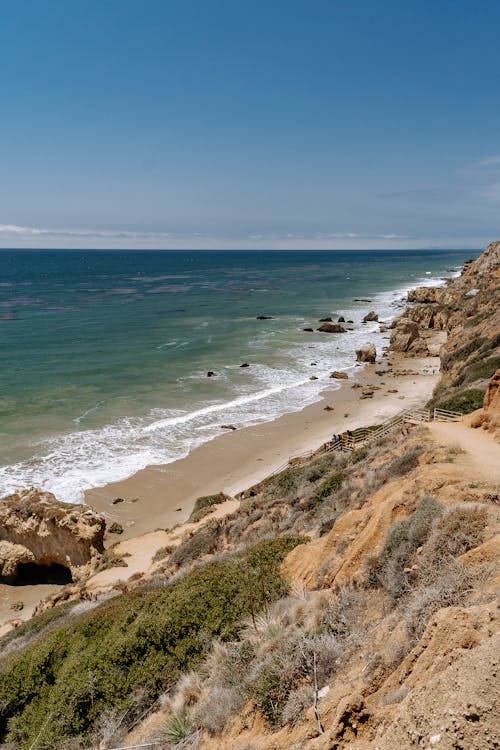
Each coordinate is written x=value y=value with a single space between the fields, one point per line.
x=161 y=497
x=158 y=497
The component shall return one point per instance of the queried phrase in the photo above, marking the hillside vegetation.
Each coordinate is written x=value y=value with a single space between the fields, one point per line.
x=348 y=604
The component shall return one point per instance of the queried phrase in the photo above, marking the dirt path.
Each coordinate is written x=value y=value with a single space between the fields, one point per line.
x=482 y=453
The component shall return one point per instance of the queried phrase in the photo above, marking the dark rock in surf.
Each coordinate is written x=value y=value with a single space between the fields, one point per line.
x=332 y=328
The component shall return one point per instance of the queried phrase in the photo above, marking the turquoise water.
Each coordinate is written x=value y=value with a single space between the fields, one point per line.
x=104 y=355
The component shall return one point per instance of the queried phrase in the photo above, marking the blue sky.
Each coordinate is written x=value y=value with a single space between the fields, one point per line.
x=241 y=123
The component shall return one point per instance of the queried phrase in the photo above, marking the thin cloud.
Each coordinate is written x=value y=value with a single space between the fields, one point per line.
x=490 y=161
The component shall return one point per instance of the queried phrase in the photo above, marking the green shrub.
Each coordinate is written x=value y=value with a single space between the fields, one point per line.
x=464 y=401
x=177 y=728
x=481 y=370
x=203 y=541
x=462 y=353
x=328 y=487
x=138 y=641
x=162 y=553
x=205 y=504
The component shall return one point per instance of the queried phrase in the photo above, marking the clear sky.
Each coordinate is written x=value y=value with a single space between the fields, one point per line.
x=249 y=123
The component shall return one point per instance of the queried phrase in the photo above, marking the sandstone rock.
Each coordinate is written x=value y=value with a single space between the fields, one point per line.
x=425 y=294
x=341 y=319
x=332 y=328
x=404 y=334
x=366 y=353
x=245 y=364
x=372 y=315
x=228 y=427
x=326 y=320
x=486 y=263
x=210 y=374
x=339 y=375
x=35 y=528
x=492 y=395
x=313 y=377
x=309 y=330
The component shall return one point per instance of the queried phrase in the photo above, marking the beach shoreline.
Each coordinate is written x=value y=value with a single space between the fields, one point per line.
x=162 y=496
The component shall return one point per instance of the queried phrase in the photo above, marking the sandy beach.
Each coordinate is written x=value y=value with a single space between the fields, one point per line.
x=159 y=497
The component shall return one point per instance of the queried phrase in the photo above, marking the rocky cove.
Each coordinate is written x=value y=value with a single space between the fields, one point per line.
x=349 y=513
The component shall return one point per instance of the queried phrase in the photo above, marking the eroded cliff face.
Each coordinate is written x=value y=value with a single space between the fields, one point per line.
x=467 y=310
x=37 y=530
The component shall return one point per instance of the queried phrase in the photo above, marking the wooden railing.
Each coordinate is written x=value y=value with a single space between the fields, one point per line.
x=363 y=435
x=443 y=415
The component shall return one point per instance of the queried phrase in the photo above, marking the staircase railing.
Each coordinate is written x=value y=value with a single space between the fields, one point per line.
x=444 y=415
x=363 y=435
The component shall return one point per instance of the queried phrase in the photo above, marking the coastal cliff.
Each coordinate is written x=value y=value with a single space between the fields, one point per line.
x=38 y=532
x=348 y=602
x=468 y=310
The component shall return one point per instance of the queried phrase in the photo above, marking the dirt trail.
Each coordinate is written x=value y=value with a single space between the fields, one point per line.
x=482 y=453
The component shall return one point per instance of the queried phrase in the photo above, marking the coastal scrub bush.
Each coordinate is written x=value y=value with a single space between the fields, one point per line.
x=403 y=464
x=464 y=401
x=330 y=485
x=482 y=370
x=57 y=687
x=446 y=586
x=343 y=613
x=162 y=553
x=177 y=728
x=456 y=532
x=297 y=702
x=404 y=537
x=462 y=353
x=201 y=543
x=205 y=504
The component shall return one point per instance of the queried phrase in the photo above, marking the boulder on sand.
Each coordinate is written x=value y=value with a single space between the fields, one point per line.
x=339 y=375
x=366 y=353
x=404 y=334
x=331 y=328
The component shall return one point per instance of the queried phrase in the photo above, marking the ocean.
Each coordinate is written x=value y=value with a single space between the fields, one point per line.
x=104 y=354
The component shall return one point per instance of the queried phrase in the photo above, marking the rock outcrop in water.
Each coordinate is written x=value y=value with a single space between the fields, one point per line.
x=332 y=328
x=39 y=532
